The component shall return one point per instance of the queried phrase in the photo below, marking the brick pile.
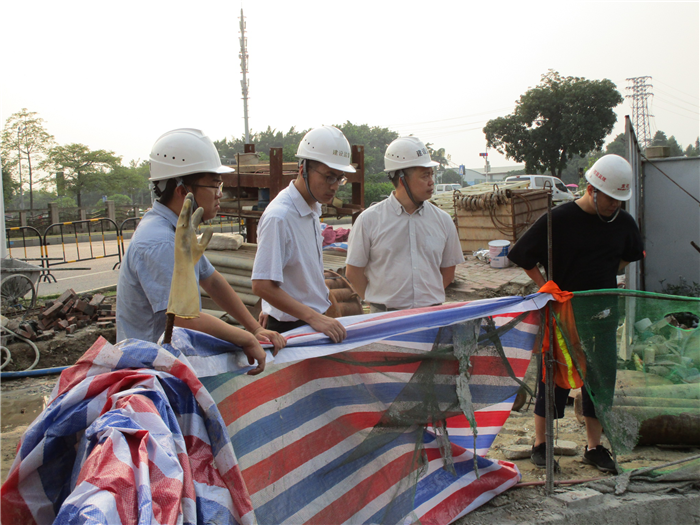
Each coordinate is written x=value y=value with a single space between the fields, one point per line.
x=68 y=313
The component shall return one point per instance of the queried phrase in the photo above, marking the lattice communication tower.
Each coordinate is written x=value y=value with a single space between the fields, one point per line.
x=243 y=55
x=641 y=91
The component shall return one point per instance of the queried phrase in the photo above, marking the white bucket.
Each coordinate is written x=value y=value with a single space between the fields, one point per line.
x=498 y=250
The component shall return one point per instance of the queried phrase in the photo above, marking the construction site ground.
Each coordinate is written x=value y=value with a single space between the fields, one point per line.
x=23 y=400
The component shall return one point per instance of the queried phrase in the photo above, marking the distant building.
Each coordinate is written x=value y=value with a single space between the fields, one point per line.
x=477 y=175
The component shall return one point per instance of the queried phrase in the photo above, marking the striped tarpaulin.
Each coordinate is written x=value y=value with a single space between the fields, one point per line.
x=329 y=433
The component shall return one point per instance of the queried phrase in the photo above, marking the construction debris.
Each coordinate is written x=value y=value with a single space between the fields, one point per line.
x=68 y=313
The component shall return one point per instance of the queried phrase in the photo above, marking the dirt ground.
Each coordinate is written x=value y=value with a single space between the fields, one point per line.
x=22 y=400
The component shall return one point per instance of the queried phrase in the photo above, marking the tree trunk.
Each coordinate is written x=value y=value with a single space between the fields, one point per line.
x=31 y=192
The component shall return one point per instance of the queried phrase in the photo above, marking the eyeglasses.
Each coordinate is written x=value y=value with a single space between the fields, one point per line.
x=332 y=178
x=219 y=186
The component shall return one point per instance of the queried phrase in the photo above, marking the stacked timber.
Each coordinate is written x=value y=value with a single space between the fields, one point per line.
x=236 y=266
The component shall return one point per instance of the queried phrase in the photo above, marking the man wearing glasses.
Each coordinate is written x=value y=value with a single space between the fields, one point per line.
x=288 y=268
x=182 y=161
x=403 y=251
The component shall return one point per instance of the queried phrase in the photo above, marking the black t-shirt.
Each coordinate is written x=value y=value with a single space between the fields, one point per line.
x=586 y=252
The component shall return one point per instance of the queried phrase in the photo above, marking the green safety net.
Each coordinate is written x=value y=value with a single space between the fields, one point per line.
x=642 y=365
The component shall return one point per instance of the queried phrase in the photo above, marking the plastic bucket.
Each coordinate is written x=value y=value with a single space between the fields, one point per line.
x=498 y=250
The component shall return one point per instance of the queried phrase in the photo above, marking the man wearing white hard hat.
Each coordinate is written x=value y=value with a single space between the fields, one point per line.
x=592 y=240
x=288 y=268
x=402 y=252
x=182 y=161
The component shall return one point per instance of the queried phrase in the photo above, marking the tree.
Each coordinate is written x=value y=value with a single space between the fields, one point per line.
x=8 y=185
x=660 y=139
x=129 y=180
x=559 y=119
x=375 y=141
x=693 y=151
x=438 y=156
x=451 y=176
x=24 y=138
x=82 y=168
x=617 y=146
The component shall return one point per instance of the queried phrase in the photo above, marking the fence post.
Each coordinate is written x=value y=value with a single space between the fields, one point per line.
x=111 y=213
x=53 y=213
x=83 y=217
x=23 y=218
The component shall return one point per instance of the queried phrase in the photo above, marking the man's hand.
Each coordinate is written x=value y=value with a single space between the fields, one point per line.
x=329 y=326
x=268 y=336
x=252 y=349
x=262 y=319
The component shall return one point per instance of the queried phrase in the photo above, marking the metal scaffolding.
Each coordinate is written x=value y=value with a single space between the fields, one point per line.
x=641 y=91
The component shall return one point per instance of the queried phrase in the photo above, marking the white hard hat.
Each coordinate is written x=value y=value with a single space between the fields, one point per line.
x=407 y=152
x=327 y=145
x=612 y=175
x=182 y=152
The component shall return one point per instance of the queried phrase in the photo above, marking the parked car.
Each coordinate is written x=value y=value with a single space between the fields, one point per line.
x=447 y=188
x=560 y=193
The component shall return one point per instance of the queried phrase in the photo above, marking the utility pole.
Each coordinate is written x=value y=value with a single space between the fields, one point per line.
x=243 y=55
x=641 y=91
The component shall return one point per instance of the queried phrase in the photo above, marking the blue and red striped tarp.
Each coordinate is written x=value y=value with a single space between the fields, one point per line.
x=329 y=433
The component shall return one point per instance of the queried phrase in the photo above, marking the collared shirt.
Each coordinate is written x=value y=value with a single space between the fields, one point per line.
x=290 y=252
x=402 y=253
x=145 y=276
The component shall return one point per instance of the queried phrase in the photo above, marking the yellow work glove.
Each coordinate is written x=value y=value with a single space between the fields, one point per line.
x=184 y=288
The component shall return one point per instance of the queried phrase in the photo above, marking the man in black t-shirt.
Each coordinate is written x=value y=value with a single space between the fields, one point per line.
x=592 y=240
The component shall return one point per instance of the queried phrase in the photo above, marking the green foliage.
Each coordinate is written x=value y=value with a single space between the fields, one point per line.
x=373 y=138
x=561 y=118
x=693 y=151
x=66 y=202
x=129 y=180
x=682 y=288
x=617 y=146
x=263 y=140
x=83 y=169
x=451 y=176
x=375 y=141
x=660 y=139
x=118 y=199
x=438 y=156
x=9 y=186
x=25 y=144
x=376 y=191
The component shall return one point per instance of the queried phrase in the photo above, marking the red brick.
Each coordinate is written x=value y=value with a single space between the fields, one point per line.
x=97 y=299
x=63 y=324
x=71 y=329
x=52 y=311
x=80 y=305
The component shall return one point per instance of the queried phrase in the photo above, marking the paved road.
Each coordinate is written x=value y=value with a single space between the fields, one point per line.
x=99 y=275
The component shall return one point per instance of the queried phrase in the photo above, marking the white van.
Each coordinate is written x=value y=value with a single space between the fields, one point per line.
x=446 y=188
x=560 y=193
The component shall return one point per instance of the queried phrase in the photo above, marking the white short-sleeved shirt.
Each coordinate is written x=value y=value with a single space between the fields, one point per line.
x=290 y=252
x=145 y=275
x=402 y=253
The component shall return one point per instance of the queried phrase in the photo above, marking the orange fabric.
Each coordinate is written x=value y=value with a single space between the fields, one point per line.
x=567 y=352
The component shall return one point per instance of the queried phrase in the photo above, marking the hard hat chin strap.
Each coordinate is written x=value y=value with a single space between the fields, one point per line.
x=305 y=174
x=595 y=203
x=194 y=201
x=402 y=180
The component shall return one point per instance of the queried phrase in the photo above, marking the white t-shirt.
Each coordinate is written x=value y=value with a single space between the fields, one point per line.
x=402 y=253
x=290 y=252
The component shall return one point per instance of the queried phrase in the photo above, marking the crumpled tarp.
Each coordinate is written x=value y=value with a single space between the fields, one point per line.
x=140 y=433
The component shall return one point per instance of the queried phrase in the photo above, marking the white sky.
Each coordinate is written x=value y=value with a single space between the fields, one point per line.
x=116 y=75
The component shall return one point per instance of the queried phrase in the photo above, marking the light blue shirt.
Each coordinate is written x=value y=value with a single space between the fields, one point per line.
x=145 y=276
